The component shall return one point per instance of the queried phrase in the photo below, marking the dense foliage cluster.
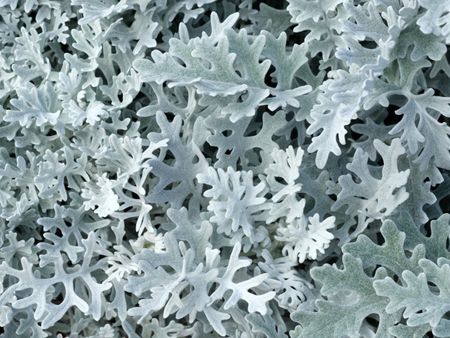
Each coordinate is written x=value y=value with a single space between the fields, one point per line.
x=235 y=168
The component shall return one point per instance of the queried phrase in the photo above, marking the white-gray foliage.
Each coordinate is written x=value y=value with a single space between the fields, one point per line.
x=235 y=168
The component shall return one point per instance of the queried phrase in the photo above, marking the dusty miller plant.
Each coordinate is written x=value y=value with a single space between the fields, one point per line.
x=236 y=168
